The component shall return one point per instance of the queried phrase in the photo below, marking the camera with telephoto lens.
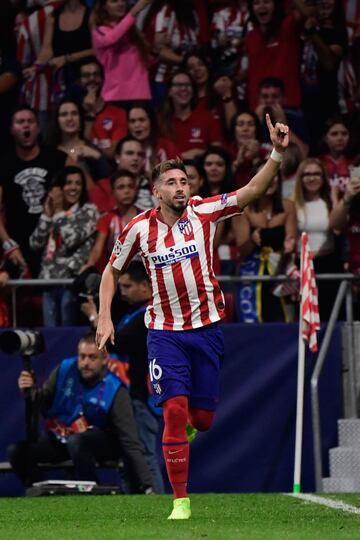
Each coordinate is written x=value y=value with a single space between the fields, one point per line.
x=24 y=342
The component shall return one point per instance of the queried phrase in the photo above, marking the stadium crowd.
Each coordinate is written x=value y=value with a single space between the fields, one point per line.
x=95 y=93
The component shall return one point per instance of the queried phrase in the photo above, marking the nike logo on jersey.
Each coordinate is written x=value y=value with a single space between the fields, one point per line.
x=171 y=452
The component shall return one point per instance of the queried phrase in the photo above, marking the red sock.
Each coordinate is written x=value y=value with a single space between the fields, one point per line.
x=175 y=444
x=201 y=419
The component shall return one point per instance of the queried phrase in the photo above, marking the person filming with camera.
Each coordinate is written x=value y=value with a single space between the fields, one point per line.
x=345 y=216
x=89 y=419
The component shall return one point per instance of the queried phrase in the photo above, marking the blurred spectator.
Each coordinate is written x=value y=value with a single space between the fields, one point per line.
x=129 y=155
x=215 y=94
x=9 y=72
x=111 y=225
x=67 y=134
x=346 y=217
x=173 y=27
x=218 y=179
x=143 y=126
x=190 y=127
x=313 y=206
x=36 y=90
x=325 y=43
x=218 y=176
x=270 y=100
x=25 y=179
x=89 y=419
x=272 y=47
x=349 y=70
x=195 y=174
x=4 y=299
x=130 y=340
x=266 y=240
x=65 y=234
x=246 y=149
x=337 y=156
x=229 y=26
x=105 y=124
x=291 y=161
x=121 y=50
x=66 y=42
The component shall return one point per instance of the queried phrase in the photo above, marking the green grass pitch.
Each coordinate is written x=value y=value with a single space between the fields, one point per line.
x=218 y=517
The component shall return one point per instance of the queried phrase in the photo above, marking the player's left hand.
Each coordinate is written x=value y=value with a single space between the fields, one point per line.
x=279 y=135
x=104 y=331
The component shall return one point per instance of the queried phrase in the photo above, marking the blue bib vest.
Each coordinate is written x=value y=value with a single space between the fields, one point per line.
x=72 y=399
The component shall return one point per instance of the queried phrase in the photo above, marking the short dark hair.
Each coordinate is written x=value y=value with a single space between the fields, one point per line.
x=88 y=337
x=91 y=60
x=165 y=166
x=60 y=178
x=121 y=173
x=120 y=144
x=136 y=272
x=196 y=163
x=24 y=107
x=272 y=82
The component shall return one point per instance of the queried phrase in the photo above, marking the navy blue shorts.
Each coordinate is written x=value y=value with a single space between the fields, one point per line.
x=186 y=363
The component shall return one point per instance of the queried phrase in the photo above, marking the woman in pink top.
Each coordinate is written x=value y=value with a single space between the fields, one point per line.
x=121 y=50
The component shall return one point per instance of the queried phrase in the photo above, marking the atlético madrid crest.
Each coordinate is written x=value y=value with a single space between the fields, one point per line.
x=185 y=226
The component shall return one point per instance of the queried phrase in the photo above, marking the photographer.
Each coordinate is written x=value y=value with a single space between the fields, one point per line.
x=346 y=217
x=130 y=340
x=89 y=419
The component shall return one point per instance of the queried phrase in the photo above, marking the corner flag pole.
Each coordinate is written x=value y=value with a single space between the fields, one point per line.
x=300 y=389
x=309 y=324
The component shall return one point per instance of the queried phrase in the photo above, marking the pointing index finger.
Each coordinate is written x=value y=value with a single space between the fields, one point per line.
x=268 y=122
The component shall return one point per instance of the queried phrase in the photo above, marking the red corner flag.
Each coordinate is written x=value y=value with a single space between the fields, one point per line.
x=309 y=300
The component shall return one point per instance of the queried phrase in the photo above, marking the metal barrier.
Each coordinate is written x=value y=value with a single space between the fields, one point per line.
x=15 y=283
x=344 y=292
x=41 y=283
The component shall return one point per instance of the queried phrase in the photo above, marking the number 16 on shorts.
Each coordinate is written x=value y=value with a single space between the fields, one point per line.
x=155 y=371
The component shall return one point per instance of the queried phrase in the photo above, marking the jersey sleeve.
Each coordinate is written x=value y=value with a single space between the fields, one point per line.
x=217 y=208
x=126 y=246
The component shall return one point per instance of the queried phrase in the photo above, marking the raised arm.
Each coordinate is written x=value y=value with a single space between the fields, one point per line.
x=339 y=216
x=258 y=185
x=46 y=52
x=103 y=39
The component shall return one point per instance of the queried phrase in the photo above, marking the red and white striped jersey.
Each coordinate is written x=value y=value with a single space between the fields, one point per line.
x=36 y=92
x=232 y=24
x=178 y=260
x=181 y=39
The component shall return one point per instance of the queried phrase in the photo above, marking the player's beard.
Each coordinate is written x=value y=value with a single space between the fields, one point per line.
x=179 y=207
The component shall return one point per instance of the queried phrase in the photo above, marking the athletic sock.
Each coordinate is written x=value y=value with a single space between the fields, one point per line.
x=175 y=445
